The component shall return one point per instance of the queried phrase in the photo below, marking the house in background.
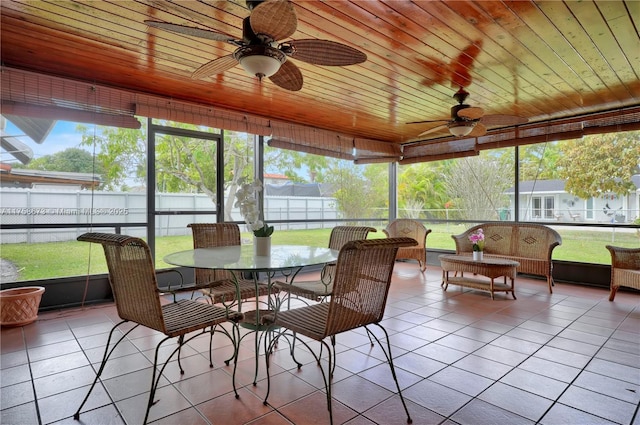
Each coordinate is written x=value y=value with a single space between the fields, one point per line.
x=547 y=200
x=280 y=185
x=275 y=179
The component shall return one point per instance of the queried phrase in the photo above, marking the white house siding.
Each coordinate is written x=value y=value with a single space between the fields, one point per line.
x=607 y=208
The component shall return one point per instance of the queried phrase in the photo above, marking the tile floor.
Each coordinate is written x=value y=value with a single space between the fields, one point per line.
x=568 y=358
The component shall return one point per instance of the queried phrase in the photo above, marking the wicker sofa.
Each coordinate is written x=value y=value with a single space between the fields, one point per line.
x=529 y=244
x=625 y=268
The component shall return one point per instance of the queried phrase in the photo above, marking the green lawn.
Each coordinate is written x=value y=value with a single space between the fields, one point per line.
x=60 y=259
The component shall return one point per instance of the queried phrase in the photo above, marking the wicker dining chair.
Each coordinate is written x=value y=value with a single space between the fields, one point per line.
x=319 y=290
x=625 y=268
x=221 y=286
x=135 y=290
x=408 y=228
x=361 y=285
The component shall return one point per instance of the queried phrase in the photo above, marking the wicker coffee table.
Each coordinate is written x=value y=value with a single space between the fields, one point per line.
x=488 y=267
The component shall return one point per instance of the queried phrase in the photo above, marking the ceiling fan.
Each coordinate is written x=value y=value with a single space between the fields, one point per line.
x=259 y=51
x=470 y=121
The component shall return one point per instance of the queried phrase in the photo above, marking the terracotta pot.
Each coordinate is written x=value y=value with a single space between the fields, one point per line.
x=19 y=306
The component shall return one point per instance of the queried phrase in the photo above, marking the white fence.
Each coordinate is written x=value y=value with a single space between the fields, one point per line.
x=83 y=208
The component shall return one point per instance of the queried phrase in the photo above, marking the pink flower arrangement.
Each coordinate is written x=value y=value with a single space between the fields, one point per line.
x=477 y=239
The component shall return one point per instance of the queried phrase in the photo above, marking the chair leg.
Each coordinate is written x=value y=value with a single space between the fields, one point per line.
x=612 y=294
x=105 y=357
x=267 y=353
x=332 y=356
x=211 y=345
x=180 y=344
x=231 y=336
x=389 y=357
x=327 y=380
x=236 y=348
x=292 y=349
x=369 y=335
x=154 y=381
x=157 y=373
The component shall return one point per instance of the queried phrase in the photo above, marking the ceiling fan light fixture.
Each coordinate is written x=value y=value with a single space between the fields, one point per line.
x=260 y=60
x=461 y=128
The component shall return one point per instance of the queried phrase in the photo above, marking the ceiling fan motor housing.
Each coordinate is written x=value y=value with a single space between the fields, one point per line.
x=460 y=96
x=250 y=37
x=258 y=56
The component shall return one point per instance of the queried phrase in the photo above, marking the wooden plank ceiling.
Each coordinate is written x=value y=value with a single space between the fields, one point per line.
x=543 y=60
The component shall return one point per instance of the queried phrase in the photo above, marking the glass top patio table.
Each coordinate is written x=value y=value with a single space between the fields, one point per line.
x=242 y=258
x=285 y=259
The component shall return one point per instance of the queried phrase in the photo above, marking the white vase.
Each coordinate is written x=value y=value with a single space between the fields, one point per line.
x=262 y=246
x=477 y=255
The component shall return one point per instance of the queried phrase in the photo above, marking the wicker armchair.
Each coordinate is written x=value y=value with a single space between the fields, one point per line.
x=361 y=284
x=221 y=286
x=625 y=268
x=319 y=290
x=407 y=228
x=135 y=290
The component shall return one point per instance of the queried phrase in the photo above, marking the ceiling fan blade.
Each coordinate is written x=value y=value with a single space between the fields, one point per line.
x=463 y=64
x=471 y=113
x=326 y=52
x=288 y=77
x=499 y=119
x=478 y=130
x=215 y=66
x=193 y=31
x=275 y=18
x=433 y=130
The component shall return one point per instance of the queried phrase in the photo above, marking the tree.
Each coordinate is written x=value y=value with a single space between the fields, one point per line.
x=421 y=186
x=238 y=166
x=539 y=161
x=73 y=160
x=477 y=185
x=293 y=164
x=600 y=164
x=122 y=151
x=184 y=164
x=361 y=191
